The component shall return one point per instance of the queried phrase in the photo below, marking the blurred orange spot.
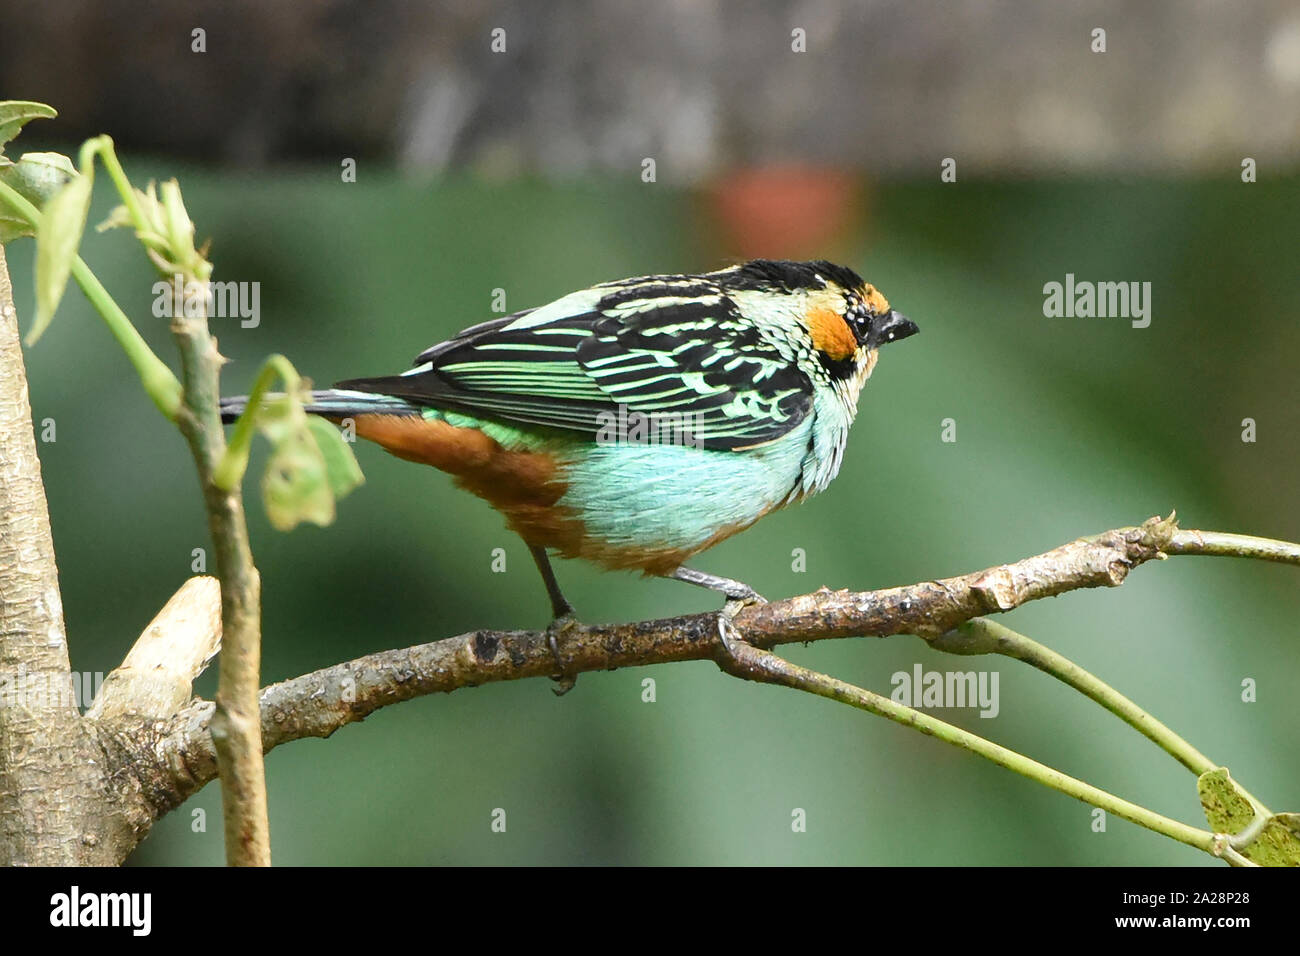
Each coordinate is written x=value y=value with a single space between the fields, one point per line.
x=785 y=212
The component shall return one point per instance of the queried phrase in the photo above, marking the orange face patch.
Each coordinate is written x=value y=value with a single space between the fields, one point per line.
x=830 y=333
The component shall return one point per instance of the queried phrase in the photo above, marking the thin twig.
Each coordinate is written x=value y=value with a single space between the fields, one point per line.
x=755 y=664
x=982 y=636
x=1222 y=544
x=236 y=726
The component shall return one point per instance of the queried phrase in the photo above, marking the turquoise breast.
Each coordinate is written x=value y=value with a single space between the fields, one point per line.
x=676 y=497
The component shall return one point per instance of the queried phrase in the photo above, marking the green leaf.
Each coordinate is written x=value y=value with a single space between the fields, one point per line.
x=15 y=114
x=294 y=487
x=57 y=237
x=310 y=466
x=341 y=468
x=1228 y=810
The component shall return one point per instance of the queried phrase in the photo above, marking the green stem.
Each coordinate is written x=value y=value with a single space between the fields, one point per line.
x=756 y=664
x=1222 y=544
x=158 y=380
x=982 y=636
x=230 y=471
x=108 y=155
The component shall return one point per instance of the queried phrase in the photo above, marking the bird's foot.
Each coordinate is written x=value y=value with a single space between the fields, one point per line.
x=739 y=596
x=561 y=626
x=727 y=632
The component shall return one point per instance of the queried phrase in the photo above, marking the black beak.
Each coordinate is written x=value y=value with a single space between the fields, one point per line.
x=889 y=327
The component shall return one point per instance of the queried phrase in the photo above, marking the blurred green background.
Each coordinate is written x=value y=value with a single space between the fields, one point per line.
x=1064 y=427
x=521 y=170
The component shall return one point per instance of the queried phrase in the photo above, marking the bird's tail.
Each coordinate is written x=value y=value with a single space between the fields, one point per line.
x=332 y=403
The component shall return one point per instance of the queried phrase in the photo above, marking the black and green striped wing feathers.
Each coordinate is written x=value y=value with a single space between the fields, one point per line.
x=672 y=346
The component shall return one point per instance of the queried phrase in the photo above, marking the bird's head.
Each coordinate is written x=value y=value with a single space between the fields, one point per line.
x=844 y=318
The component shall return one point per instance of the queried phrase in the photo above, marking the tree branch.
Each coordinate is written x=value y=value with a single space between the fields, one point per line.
x=169 y=760
x=319 y=703
x=235 y=728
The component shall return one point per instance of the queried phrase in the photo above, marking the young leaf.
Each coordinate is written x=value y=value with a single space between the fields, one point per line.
x=152 y=233
x=310 y=467
x=179 y=232
x=15 y=114
x=295 y=487
x=341 y=468
x=57 y=237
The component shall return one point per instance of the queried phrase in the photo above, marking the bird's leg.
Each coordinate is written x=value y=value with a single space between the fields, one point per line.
x=738 y=594
x=732 y=590
x=561 y=612
x=560 y=606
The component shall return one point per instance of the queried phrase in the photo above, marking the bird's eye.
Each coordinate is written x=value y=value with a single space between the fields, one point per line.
x=859 y=319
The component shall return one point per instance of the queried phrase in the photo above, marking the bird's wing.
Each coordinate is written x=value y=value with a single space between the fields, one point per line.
x=673 y=347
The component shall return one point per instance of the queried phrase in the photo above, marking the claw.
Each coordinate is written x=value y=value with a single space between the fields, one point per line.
x=563 y=682
x=725 y=625
x=726 y=630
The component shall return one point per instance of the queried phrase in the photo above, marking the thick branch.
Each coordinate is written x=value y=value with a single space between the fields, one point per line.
x=317 y=704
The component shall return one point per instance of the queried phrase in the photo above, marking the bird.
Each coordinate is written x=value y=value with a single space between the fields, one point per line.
x=641 y=421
